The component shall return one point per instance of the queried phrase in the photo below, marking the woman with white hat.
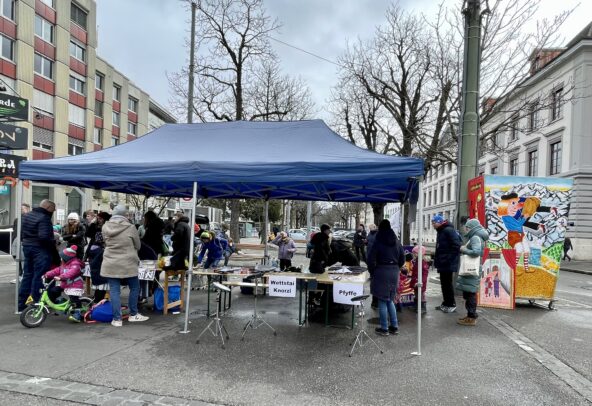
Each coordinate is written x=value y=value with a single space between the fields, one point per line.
x=73 y=234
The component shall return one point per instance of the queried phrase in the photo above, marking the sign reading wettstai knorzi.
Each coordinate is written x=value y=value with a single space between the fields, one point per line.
x=13 y=108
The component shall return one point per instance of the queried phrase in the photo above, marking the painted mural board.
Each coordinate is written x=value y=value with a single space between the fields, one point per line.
x=527 y=219
x=496 y=288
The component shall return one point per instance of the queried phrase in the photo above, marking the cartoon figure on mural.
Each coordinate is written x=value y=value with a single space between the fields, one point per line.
x=496 y=286
x=488 y=286
x=516 y=213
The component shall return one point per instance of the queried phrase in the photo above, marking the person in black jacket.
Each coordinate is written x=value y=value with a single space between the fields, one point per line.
x=153 y=227
x=360 y=243
x=181 y=241
x=321 y=250
x=446 y=260
x=385 y=258
x=38 y=242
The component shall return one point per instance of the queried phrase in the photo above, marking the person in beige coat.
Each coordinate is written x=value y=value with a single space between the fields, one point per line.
x=120 y=263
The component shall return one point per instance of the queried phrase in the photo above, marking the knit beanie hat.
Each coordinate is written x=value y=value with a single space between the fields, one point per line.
x=438 y=219
x=68 y=253
x=120 y=210
x=73 y=216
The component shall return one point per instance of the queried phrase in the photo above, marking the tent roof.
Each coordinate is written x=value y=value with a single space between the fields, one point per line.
x=299 y=160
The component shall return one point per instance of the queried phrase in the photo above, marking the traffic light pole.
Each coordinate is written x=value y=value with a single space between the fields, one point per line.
x=469 y=144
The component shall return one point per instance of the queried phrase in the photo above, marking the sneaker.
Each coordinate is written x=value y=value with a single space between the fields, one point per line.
x=467 y=321
x=450 y=309
x=116 y=323
x=13 y=281
x=381 y=332
x=393 y=330
x=75 y=317
x=138 y=317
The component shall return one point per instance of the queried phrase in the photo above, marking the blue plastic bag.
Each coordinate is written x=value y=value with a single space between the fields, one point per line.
x=174 y=295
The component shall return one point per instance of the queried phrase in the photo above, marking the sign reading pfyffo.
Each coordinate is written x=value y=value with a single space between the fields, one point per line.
x=146 y=274
x=343 y=292
x=283 y=286
x=13 y=108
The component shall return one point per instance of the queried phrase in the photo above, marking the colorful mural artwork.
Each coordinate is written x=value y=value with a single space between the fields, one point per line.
x=497 y=282
x=526 y=219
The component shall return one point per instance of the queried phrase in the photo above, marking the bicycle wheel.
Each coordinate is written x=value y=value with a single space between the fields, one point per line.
x=33 y=316
x=86 y=303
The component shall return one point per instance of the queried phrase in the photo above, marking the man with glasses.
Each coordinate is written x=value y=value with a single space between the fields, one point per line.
x=38 y=242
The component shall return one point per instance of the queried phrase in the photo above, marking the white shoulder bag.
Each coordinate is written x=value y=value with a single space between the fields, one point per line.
x=469 y=266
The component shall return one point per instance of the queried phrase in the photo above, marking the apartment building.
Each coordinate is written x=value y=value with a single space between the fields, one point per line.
x=79 y=102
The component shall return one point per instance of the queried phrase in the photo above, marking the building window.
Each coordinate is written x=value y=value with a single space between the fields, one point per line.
x=77 y=51
x=132 y=128
x=424 y=198
x=38 y=194
x=7 y=48
x=116 y=92
x=555 y=161
x=77 y=85
x=494 y=170
x=40 y=145
x=449 y=166
x=481 y=171
x=435 y=196
x=43 y=66
x=533 y=116
x=430 y=198
x=99 y=81
x=114 y=141
x=75 y=150
x=7 y=9
x=78 y=15
x=99 y=108
x=514 y=166
x=76 y=115
x=43 y=102
x=533 y=162
x=43 y=29
x=556 y=103
x=442 y=194
x=116 y=118
x=514 y=128
x=98 y=135
x=132 y=105
x=48 y=2
x=449 y=192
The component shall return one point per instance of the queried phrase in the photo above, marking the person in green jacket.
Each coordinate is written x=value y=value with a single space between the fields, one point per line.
x=475 y=237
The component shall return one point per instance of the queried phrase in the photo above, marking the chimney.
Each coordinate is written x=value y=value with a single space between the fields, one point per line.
x=541 y=57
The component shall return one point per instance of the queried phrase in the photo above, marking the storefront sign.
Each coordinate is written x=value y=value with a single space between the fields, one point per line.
x=12 y=137
x=343 y=292
x=186 y=203
x=9 y=165
x=13 y=108
x=4 y=190
x=283 y=286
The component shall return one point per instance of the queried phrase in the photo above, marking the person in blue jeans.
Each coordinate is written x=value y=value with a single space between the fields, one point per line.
x=120 y=263
x=38 y=242
x=384 y=259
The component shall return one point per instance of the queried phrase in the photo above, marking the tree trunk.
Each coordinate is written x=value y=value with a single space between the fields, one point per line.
x=378 y=210
x=234 y=218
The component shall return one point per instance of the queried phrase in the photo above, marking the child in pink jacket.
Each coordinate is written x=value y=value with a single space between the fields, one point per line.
x=424 y=276
x=69 y=274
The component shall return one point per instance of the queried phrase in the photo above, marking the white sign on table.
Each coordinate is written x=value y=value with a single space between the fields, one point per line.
x=282 y=286
x=343 y=292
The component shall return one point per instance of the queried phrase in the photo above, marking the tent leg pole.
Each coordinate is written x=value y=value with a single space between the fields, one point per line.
x=419 y=267
x=402 y=220
x=191 y=248
x=308 y=219
x=266 y=214
x=19 y=260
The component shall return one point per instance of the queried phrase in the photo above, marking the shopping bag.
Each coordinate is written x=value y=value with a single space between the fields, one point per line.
x=469 y=266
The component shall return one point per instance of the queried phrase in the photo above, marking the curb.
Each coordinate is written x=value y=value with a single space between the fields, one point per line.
x=580 y=271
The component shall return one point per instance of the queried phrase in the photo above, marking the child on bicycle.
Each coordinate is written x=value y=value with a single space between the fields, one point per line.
x=69 y=274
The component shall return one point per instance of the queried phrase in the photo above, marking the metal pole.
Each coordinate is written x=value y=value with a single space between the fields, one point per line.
x=191 y=248
x=419 y=268
x=469 y=148
x=402 y=221
x=19 y=217
x=308 y=219
x=191 y=64
x=266 y=214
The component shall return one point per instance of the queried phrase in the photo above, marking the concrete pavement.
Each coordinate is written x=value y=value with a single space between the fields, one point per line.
x=491 y=364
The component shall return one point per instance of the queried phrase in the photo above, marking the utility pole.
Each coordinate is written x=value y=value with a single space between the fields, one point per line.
x=191 y=63
x=469 y=145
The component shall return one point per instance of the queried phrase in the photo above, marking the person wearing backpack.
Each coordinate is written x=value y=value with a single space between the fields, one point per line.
x=120 y=263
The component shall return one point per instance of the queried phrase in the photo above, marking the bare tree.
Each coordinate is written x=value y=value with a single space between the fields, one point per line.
x=237 y=73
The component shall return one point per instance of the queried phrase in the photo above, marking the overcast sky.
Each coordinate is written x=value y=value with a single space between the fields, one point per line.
x=144 y=39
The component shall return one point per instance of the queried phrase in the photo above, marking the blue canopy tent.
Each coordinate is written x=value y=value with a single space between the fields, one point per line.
x=296 y=160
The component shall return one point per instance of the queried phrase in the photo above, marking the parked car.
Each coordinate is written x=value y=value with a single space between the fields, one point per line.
x=297 y=234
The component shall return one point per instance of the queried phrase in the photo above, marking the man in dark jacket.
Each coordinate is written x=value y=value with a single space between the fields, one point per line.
x=360 y=243
x=181 y=242
x=321 y=250
x=38 y=242
x=446 y=260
